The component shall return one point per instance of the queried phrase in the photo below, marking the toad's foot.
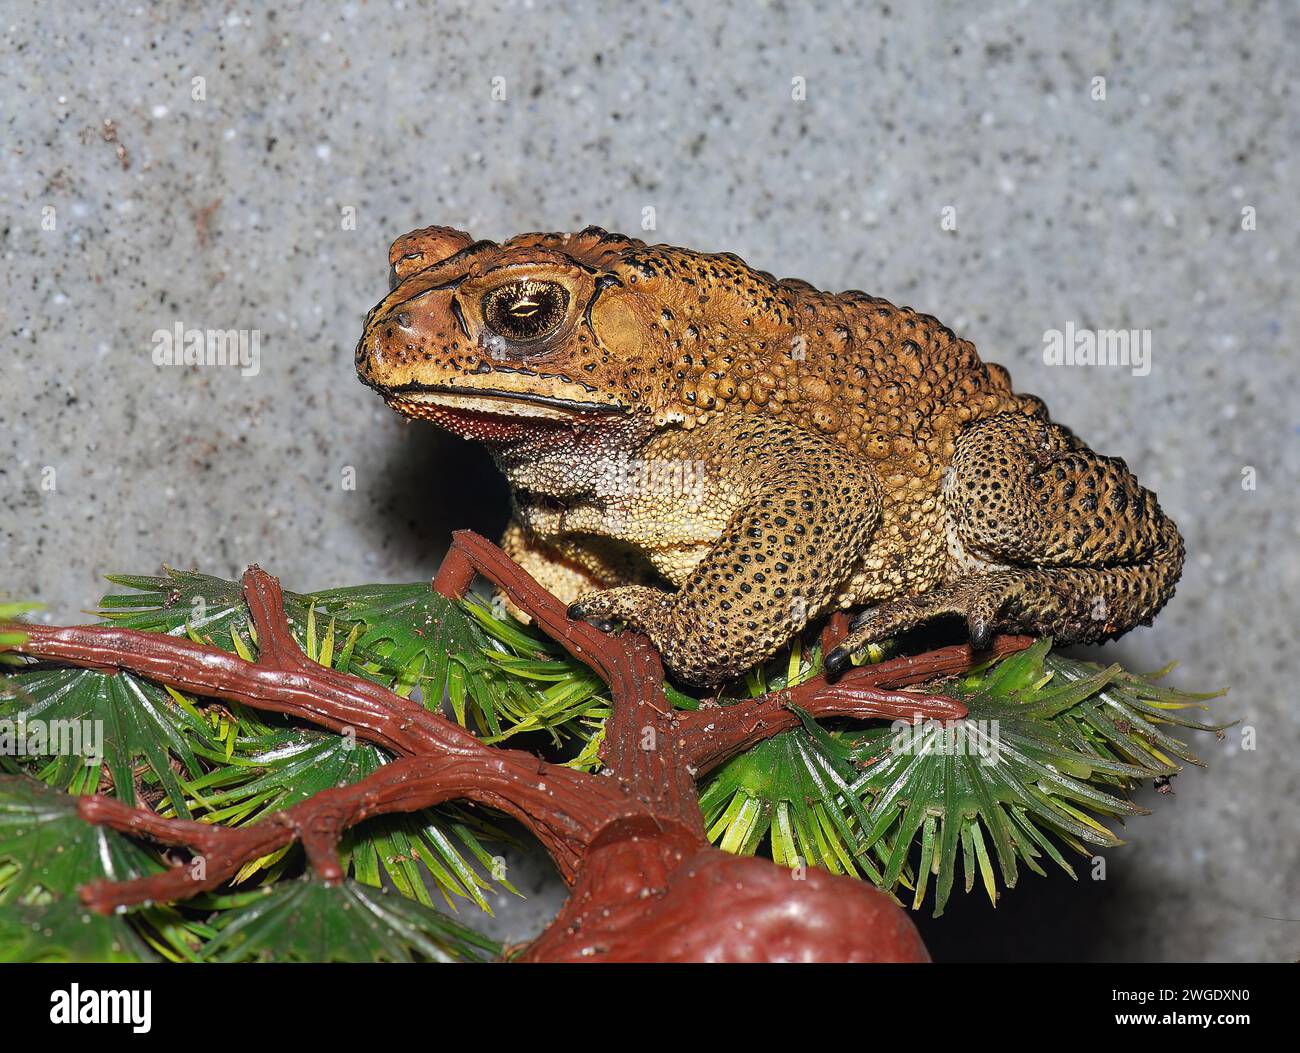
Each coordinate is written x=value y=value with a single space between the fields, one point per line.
x=979 y=599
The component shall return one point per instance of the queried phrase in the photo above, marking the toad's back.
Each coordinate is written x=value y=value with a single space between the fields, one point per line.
x=888 y=382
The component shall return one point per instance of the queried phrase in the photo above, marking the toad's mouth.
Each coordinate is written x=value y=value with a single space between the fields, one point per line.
x=495 y=402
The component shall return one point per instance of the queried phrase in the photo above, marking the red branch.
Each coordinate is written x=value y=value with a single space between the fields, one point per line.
x=442 y=761
x=640 y=716
x=714 y=734
x=646 y=883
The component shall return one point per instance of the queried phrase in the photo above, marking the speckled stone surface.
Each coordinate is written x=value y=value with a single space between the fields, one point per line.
x=230 y=208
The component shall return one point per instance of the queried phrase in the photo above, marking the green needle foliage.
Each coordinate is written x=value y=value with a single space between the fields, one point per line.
x=304 y=920
x=1047 y=757
x=1051 y=747
x=186 y=603
x=143 y=731
x=64 y=931
x=46 y=849
x=46 y=852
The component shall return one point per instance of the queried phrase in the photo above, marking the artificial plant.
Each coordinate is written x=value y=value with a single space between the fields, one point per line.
x=343 y=756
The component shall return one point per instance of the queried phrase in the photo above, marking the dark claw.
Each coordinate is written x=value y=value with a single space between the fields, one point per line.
x=578 y=614
x=981 y=634
x=861 y=618
x=836 y=662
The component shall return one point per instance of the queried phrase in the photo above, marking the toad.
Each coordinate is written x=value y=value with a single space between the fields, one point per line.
x=716 y=458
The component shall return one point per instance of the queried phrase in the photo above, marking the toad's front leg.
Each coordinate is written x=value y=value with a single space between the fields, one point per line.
x=807 y=508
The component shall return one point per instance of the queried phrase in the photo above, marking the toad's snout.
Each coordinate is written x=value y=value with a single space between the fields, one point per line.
x=416 y=327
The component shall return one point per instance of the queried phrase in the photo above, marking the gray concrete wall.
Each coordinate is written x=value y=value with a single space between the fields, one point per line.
x=226 y=211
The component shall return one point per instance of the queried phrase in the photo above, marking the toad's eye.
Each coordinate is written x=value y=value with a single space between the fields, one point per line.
x=526 y=310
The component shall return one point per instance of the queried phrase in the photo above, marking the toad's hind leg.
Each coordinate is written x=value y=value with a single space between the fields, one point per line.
x=1046 y=537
